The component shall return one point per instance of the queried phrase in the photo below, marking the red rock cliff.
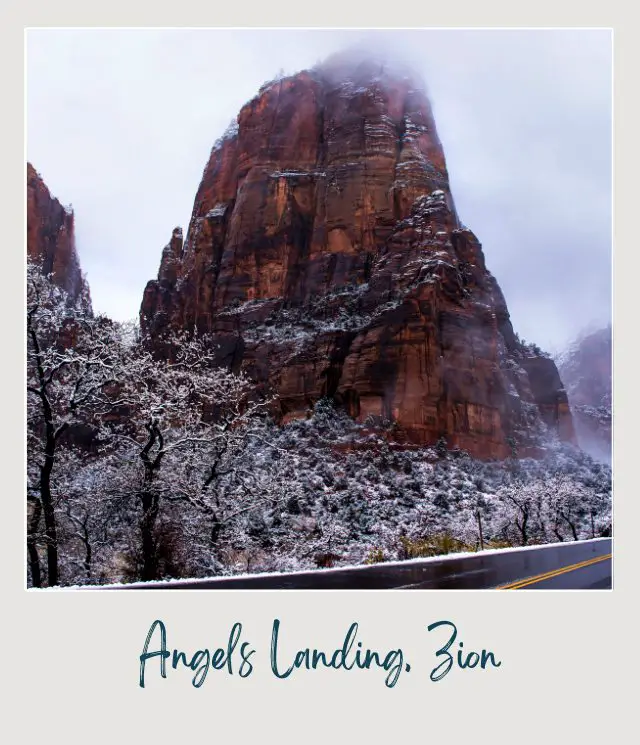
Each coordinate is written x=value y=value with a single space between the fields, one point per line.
x=326 y=255
x=51 y=238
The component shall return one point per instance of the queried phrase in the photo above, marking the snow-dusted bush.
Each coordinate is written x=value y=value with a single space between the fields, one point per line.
x=147 y=468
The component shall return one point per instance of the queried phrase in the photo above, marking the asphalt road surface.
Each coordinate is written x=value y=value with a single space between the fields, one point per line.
x=592 y=574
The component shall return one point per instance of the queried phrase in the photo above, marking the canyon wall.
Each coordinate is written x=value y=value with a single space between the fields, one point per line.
x=51 y=239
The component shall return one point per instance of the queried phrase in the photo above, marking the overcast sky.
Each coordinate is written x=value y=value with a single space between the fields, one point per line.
x=120 y=124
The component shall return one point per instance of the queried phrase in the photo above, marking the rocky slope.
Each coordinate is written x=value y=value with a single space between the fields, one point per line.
x=585 y=369
x=51 y=238
x=326 y=255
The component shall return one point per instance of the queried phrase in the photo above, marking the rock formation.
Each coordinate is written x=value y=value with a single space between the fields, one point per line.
x=51 y=239
x=326 y=256
x=585 y=369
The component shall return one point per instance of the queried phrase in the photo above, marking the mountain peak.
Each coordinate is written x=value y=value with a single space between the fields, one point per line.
x=326 y=258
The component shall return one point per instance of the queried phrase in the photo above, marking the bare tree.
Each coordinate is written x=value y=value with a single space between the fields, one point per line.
x=187 y=424
x=72 y=366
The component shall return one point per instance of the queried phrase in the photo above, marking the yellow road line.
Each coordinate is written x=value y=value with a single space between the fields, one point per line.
x=554 y=573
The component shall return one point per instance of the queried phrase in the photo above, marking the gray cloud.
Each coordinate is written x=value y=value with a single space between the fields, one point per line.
x=120 y=123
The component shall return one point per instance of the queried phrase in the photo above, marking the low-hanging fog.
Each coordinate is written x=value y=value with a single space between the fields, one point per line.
x=120 y=124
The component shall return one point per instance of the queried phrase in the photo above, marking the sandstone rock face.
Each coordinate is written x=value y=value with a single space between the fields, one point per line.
x=51 y=238
x=326 y=256
x=585 y=369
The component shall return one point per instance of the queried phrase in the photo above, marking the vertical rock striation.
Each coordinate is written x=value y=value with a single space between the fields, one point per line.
x=326 y=255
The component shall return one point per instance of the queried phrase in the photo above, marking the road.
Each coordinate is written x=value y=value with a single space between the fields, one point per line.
x=583 y=565
x=593 y=574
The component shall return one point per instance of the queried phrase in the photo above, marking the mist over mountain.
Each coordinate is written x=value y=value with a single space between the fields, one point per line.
x=586 y=371
x=524 y=118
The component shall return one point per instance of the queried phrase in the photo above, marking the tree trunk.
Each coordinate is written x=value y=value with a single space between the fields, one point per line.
x=50 y=441
x=556 y=530
x=216 y=527
x=522 y=527
x=50 y=531
x=479 y=518
x=150 y=502
x=32 y=543
x=147 y=534
x=571 y=524
x=87 y=553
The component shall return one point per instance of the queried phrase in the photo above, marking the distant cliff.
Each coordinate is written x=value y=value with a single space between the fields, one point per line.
x=326 y=255
x=51 y=238
x=586 y=370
